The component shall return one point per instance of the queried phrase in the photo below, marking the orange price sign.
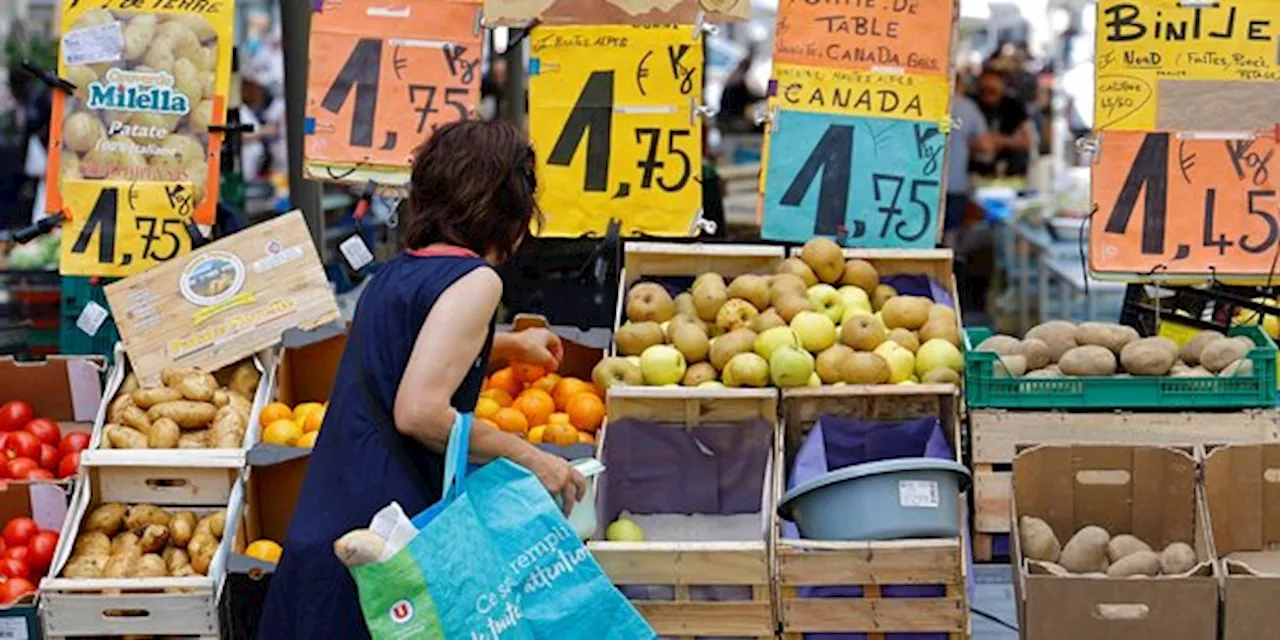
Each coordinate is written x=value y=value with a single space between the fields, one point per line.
x=1181 y=204
x=383 y=79
x=912 y=36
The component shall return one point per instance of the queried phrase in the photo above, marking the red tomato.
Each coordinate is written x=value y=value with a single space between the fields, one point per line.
x=15 y=588
x=14 y=415
x=15 y=553
x=73 y=442
x=45 y=429
x=38 y=474
x=22 y=444
x=48 y=457
x=69 y=464
x=17 y=532
x=40 y=551
x=15 y=568
x=18 y=468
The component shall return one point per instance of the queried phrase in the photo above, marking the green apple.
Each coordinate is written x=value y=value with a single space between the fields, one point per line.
x=815 y=331
x=624 y=530
x=662 y=364
x=937 y=353
x=854 y=296
x=827 y=300
x=814 y=380
x=902 y=362
x=711 y=384
x=747 y=370
x=791 y=367
x=769 y=341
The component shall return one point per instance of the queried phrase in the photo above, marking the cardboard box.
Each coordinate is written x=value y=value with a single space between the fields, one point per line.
x=47 y=504
x=1150 y=492
x=64 y=388
x=1242 y=494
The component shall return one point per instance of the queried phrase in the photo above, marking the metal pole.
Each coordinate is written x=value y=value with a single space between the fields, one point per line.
x=514 y=93
x=295 y=19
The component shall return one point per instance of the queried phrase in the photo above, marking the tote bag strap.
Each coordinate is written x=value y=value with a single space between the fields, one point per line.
x=455 y=457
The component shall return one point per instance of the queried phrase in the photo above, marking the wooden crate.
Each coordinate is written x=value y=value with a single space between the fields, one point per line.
x=684 y=566
x=141 y=606
x=997 y=435
x=868 y=565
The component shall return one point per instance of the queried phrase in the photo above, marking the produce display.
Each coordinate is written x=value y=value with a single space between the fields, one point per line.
x=1059 y=349
x=543 y=407
x=820 y=319
x=265 y=550
x=35 y=448
x=1094 y=552
x=191 y=410
x=26 y=552
x=144 y=541
x=296 y=427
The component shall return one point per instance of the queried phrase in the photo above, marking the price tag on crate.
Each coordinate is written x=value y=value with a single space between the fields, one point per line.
x=614 y=116
x=1183 y=204
x=15 y=627
x=91 y=318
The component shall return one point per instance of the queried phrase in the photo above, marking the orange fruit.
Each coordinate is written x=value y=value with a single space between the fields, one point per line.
x=528 y=373
x=264 y=549
x=567 y=388
x=547 y=383
x=562 y=418
x=499 y=396
x=275 y=411
x=586 y=438
x=486 y=407
x=536 y=405
x=586 y=411
x=282 y=432
x=511 y=420
x=311 y=423
x=307 y=440
x=536 y=435
x=561 y=434
x=506 y=380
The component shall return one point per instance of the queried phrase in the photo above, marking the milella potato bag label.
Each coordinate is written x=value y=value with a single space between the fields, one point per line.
x=133 y=162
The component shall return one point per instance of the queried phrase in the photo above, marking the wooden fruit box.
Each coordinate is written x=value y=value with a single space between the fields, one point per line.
x=870 y=565
x=998 y=435
x=266 y=362
x=138 y=606
x=684 y=567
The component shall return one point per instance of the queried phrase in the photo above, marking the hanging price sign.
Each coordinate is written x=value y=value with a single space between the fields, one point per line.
x=613 y=114
x=382 y=80
x=1170 y=204
x=1176 y=65
x=869 y=182
x=902 y=36
x=519 y=13
x=120 y=228
x=862 y=93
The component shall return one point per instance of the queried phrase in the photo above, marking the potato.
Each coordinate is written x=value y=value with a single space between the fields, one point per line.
x=147 y=398
x=1038 y=539
x=154 y=538
x=1060 y=336
x=1218 y=354
x=132 y=416
x=221 y=398
x=1010 y=366
x=130 y=383
x=212 y=524
x=1148 y=356
x=85 y=567
x=107 y=518
x=126 y=544
x=1053 y=568
x=1177 y=558
x=140 y=516
x=164 y=434
x=1091 y=360
x=1123 y=546
x=197 y=386
x=120 y=566
x=201 y=550
x=1001 y=344
x=1139 y=563
x=188 y=414
x=181 y=527
x=198 y=439
x=1241 y=368
x=92 y=543
x=150 y=565
x=228 y=430
x=125 y=437
x=241 y=404
x=1036 y=352
x=1112 y=336
x=1190 y=352
x=244 y=379
x=116 y=409
x=174 y=558
x=184 y=571
x=1086 y=551
x=359 y=547
x=1044 y=373
x=171 y=376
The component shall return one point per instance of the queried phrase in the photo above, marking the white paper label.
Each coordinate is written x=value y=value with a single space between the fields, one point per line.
x=918 y=494
x=91 y=318
x=48 y=506
x=91 y=45
x=86 y=389
x=356 y=252
x=13 y=628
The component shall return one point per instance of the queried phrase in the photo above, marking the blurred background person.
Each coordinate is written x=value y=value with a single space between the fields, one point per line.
x=1008 y=120
x=969 y=139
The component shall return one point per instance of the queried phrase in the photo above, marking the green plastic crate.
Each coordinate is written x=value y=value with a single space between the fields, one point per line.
x=76 y=293
x=983 y=390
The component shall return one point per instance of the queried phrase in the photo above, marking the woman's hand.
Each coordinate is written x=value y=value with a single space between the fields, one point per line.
x=561 y=480
x=539 y=347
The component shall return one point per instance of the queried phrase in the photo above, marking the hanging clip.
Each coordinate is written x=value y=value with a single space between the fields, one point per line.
x=479 y=24
x=767 y=115
x=366 y=198
x=242 y=127
x=707 y=111
x=1090 y=145
x=702 y=224
x=52 y=80
x=41 y=227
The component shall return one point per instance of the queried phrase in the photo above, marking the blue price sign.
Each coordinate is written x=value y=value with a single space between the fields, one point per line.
x=867 y=182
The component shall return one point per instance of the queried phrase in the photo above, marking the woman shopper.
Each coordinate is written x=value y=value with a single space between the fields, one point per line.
x=415 y=358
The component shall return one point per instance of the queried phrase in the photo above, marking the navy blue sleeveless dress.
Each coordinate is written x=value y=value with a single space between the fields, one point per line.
x=353 y=472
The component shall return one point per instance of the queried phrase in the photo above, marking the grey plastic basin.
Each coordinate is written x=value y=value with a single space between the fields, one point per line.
x=885 y=500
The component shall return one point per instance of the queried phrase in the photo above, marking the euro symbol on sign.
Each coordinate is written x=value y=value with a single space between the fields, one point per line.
x=642 y=71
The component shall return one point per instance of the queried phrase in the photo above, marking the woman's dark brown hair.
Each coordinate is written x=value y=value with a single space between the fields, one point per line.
x=473 y=185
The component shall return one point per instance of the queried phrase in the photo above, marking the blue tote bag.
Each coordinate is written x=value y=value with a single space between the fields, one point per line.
x=494 y=559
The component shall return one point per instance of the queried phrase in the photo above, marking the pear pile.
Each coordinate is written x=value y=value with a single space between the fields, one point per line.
x=819 y=319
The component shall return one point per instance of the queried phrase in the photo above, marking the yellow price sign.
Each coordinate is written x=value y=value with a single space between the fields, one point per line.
x=876 y=94
x=1173 y=65
x=117 y=229
x=614 y=116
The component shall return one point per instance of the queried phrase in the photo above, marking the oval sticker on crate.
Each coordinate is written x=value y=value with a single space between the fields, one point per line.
x=919 y=494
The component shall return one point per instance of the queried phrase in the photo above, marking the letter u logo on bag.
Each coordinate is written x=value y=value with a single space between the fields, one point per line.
x=401 y=612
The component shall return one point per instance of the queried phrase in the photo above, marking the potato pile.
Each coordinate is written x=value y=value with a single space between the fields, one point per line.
x=1059 y=349
x=193 y=410
x=144 y=541
x=1094 y=552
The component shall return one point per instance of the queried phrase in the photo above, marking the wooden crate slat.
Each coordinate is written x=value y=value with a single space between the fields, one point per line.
x=744 y=618
x=872 y=563
x=992 y=492
x=692 y=564
x=692 y=407
x=872 y=615
x=663 y=259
